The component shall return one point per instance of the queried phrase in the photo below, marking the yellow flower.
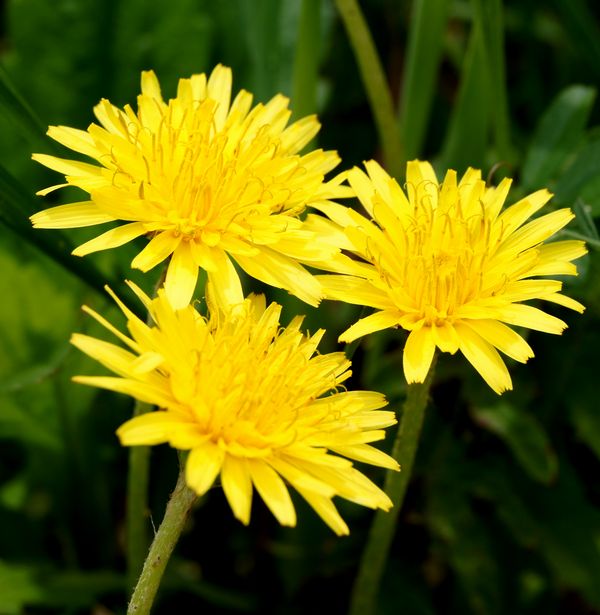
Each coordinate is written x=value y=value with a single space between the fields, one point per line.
x=205 y=179
x=251 y=402
x=446 y=264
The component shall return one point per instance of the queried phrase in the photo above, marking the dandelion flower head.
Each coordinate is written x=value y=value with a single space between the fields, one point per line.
x=449 y=265
x=251 y=401
x=206 y=179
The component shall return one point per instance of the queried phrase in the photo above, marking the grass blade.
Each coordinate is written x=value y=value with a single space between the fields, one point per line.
x=306 y=62
x=467 y=136
x=424 y=51
x=557 y=135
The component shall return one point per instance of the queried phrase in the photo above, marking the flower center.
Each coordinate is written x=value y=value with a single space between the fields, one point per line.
x=439 y=264
x=201 y=183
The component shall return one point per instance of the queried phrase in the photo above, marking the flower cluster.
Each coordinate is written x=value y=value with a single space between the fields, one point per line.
x=214 y=183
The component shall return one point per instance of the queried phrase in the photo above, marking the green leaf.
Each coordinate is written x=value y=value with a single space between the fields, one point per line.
x=18 y=588
x=423 y=55
x=558 y=522
x=465 y=544
x=580 y=172
x=467 y=136
x=525 y=437
x=559 y=132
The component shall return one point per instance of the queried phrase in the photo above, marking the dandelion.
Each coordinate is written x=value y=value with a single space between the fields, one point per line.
x=206 y=180
x=251 y=401
x=448 y=265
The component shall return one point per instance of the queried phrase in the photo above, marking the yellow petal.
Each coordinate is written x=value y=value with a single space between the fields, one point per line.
x=74 y=215
x=282 y=272
x=237 y=487
x=503 y=338
x=150 y=85
x=156 y=251
x=484 y=358
x=513 y=217
x=354 y=290
x=203 y=466
x=146 y=429
x=444 y=337
x=369 y=324
x=219 y=89
x=566 y=302
x=144 y=391
x=182 y=276
x=111 y=239
x=299 y=134
x=75 y=139
x=225 y=285
x=367 y=454
x=273 y=491
x=67 y=167
x=531 y=318
x=536 y=231
x=421 y=183
x=326 y=509
x=114 y=357
x=418 y=354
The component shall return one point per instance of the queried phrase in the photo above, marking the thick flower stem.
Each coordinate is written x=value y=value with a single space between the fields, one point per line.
x=372 y=565
x=162 y=546
x=136 y=515
x=137 y=505
x=378 y=92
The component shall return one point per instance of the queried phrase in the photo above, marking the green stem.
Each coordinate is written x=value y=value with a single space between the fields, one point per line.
x=136 y=515
x=378 y=92
x=137 y=504
x=162 y=546
x=372 y=565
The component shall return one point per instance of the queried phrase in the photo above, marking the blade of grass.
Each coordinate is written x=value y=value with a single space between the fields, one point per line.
x=467 y=135
x=424 y=52
x=557 y=135
x=375 y=84
x=263 y=38
x=490 y=15
x=306 y=62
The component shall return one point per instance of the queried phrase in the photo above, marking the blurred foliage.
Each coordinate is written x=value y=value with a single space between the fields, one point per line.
x=503 y=514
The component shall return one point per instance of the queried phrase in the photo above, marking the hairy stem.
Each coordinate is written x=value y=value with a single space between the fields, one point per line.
x=162 y=546
x=372 y=565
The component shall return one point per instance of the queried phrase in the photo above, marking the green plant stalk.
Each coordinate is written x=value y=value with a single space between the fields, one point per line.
x=372 y=565
x=162 y=546
x=136 y=514
x=373 y=77
x=306 y=62
x=137 y=504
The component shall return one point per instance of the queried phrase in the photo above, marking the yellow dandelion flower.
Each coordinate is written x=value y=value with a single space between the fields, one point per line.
x=251 y=402
x=205 y=179
x=444 y=262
